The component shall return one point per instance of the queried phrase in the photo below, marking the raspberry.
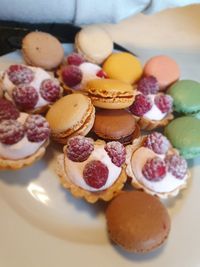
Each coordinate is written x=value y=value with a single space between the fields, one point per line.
x=164 y=103
x=19 y=74
x=95 y=174
x=116 y=151
x=102 y=74
x=50 y=90
x=157 y=142
x=11 y=132
x=154 y=169
x=79 y=148
x=8 y=110
x=75 y=59
x=71 y=75
x=37 y=128
x=25 y=96
x=176 y=165
x=141 y=105
x=148 y=85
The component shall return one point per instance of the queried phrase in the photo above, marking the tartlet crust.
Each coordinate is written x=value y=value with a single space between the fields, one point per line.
x=8 y=164
x=146 y=124
x=130 y=149
x=79 y=192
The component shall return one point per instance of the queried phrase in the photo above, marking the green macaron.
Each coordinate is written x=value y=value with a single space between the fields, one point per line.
x=184 y=134
x=186 y=96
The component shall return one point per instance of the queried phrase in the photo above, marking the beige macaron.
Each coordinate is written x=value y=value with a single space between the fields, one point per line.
x=94 y=43
x=42 y=49
x=71 y=115
x=110 y=94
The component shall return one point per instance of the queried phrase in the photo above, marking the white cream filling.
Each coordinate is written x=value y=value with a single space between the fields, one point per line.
x=39 y=76
x=168 y=184
x=89 y=71
x=74 y=170
x=154 y=113
x=22 y=149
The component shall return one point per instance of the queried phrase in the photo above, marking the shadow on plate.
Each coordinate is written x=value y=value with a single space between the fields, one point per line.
x=81 y=205
x=134 y=257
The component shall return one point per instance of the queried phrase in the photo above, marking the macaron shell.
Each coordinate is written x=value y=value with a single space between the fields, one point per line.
x=186 y=96
x=114 y=124
x=184 y=135
x=42 y=50
x=83 y=130
x=109 y=88
x=123 y=66
x=135 y=225
x=69 y=113
x=94 y=43
x=164 y=68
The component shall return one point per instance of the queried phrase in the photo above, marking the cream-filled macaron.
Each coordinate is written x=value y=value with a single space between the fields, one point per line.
x=110 y=94
x=123 y=66
x=71 y=115
x=94 y=43
x=42 y=49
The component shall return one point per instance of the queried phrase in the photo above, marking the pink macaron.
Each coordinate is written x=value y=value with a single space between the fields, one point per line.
x=164 y=68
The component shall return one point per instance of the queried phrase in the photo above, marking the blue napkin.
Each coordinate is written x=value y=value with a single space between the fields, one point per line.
x=82 y=11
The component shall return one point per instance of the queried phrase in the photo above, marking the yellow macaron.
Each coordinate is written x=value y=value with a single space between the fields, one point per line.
x=71 y=115
x=110 y=93
x=123 y=66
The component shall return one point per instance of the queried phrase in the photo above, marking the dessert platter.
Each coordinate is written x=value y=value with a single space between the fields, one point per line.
x=99 y=154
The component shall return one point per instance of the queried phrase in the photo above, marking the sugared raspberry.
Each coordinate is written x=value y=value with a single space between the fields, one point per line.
x=102 y=74
x=157 y=142
x=148 y=85
x=75 y=59
x=71 y=75
x=95 y=174
x=37 y=128
x=154 y=169
x=79 y=148
x=117 y=152
x=11 y=132
x=25 y=96
x=8 y=110
x=19 y=74
x=141 y=105
x=164 y=103
x=50 y=90
x=176 y=165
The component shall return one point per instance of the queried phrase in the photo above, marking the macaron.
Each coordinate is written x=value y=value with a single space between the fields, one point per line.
x=94 y=43
x=42 y=49
x=183 y=133
x=116 y=125
x=110 y=93
x=186 y=96
x=164 y=69
x=71 y=115
x=123 y=66
x=137 y=221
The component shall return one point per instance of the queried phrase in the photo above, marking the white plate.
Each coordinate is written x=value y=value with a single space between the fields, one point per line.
x=43 y=225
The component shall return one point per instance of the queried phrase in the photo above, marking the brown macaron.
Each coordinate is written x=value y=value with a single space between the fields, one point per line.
x=43 y=50
x=137 y=221
x=116 y=125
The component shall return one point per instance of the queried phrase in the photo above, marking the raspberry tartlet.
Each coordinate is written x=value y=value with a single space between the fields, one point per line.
x=75 y=72
x=23 y=137
x=155 y=166
x=92 y=170
x=32 y=89
x=151 y=108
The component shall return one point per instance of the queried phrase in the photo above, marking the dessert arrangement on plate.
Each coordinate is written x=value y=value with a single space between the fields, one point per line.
x=118 y=123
